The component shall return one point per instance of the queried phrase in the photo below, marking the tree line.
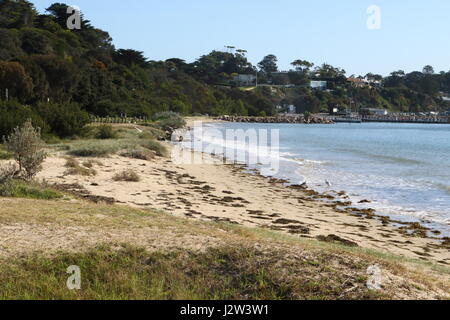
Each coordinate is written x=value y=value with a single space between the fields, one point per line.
x=58 y=77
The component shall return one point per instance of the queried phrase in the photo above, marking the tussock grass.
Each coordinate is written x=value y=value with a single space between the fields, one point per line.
x=22 y=189
x=139 y=153
x=74 y=168
x=127 y=175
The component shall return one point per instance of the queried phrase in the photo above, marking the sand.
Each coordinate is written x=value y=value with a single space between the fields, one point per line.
x=214 y=191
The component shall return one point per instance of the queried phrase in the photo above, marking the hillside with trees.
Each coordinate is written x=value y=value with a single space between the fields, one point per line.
x=60 y=77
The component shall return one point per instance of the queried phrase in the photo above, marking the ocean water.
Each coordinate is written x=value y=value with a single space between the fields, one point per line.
x=404 y=169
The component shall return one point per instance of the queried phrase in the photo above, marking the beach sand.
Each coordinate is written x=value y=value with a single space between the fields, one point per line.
x=214 y=191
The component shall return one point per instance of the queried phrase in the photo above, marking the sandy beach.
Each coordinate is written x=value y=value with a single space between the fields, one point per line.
x=214 y=191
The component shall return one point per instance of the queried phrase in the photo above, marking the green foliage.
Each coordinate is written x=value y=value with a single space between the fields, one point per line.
x=169 y=120
x=105 y=132
x=155 y=146
x=63 y=75
x=27 y=148
x=22 y=189
x=94 y=149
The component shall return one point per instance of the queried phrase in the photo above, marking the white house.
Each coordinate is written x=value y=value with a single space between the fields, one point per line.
x=321 y=85
x=245 y=79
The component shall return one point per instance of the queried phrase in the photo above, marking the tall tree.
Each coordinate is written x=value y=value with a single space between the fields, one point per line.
x=268 y=64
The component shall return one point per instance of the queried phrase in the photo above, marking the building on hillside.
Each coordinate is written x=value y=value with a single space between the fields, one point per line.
x=320 y=85
x=357 y=82
x=245 y=80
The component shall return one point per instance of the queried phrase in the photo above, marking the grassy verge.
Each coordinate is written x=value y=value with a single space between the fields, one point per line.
x=222 y=273
x=127 y=253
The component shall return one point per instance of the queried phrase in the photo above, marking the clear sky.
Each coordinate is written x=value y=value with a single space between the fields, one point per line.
x=413 y=33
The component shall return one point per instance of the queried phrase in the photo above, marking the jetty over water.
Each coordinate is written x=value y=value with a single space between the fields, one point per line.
x=390 y=118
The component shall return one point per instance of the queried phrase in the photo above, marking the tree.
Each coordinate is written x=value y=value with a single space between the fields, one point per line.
x=302 y=65
x=428 y=70
x=330 y=72
x=28 y=149
x=129 y=57
x=269 y=64
x=14 y=78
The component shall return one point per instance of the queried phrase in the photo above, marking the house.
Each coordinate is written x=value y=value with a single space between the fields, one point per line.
x=320 y=85
x=245 y=80
x=357 y=82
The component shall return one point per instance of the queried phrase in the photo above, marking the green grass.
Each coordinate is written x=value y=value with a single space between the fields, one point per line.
x=221 y=273
x=95 y=148
x=155 y=146
x=22 y=189
x=4 y=155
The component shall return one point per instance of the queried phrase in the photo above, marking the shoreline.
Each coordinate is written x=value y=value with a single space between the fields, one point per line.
x=214 y=191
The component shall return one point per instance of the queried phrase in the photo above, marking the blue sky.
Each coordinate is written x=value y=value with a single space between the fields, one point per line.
x=413 y=33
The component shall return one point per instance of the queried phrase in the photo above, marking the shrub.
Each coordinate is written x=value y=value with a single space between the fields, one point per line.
x=75 y=169
x=21 y=189
x=155 y=146
x=169 y=120
x=127 y=175
x=105 y=132
x=27 y=148
x=7 y=173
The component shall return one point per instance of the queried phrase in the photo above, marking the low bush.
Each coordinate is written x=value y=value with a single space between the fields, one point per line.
x=93 y=149
x=155 y=146
x=127 y=175
x=75 y=169
x=27 y=148
x=169 y=120
x=21 y=189
x=105 y=132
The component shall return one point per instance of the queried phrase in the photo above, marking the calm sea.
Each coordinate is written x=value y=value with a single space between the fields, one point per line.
x=404 y=169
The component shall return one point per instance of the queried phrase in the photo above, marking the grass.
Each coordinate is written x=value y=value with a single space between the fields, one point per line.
x=132 y=273
x=22 y=189
x=127 y=175
x=4 y=155
x=245 y=263
x=139 y=153
x=155 y=146
x=95 y=148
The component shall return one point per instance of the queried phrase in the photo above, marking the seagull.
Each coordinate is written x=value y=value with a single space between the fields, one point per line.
x=328 y=183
